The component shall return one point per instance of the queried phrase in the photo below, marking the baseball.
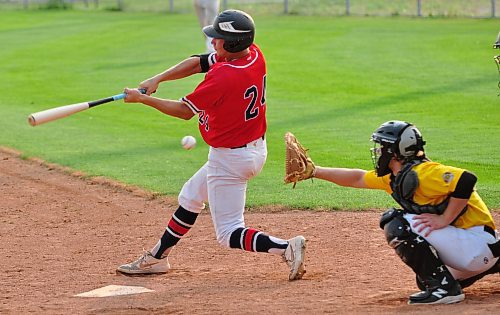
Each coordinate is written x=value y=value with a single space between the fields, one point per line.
x=188 y=142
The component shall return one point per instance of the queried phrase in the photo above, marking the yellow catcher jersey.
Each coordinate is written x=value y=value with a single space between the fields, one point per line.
x=436 y=183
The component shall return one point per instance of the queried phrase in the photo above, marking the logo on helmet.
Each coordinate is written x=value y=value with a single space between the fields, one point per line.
x=228 y=27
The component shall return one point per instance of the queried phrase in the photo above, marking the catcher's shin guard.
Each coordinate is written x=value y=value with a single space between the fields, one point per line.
x=418 y=254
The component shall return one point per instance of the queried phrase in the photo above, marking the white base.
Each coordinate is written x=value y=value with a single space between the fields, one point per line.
x=114 y=290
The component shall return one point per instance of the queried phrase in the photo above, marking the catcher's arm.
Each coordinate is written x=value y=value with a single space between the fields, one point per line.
x=298 y=165
x=348 y=177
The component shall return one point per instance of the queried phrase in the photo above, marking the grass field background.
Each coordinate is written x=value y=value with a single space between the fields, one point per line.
x=428 y=8
x=331 y=81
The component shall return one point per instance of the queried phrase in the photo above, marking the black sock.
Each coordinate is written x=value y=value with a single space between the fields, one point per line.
x=253 y=240
x=180 y=223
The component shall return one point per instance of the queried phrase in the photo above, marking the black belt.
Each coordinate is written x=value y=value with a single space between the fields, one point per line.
x=244 y=146
x=490 y=230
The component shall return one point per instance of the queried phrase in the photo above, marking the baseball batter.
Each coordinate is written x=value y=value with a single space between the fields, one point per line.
x=230 y=104
x=207 y=10
x=444 y=232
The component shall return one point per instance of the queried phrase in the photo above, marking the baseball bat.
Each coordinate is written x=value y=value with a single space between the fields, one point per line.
x=51 y=114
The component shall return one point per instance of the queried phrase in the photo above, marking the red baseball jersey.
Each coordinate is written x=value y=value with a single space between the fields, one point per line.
x=231 y=100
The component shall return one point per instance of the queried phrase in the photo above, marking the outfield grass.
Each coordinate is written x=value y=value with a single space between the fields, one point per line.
x=428 y=8
x=331 y=81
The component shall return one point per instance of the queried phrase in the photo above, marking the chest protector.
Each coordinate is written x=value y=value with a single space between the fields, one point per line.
x=404 y=186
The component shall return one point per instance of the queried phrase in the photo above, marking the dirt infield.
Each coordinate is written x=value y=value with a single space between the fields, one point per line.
x=64 y=234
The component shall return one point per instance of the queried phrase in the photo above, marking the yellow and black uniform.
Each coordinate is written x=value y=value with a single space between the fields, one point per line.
x=436 y=183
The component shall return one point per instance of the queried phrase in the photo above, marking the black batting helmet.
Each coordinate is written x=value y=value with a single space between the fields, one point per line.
x=235 y=27
x=396 y=137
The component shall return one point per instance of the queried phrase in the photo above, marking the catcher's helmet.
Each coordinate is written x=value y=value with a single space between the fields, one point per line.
x=398 y=138
x=235 y=27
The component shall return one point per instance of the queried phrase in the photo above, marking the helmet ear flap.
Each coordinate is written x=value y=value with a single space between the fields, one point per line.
x=410 y=143
x=230 y=45
x=237 y=45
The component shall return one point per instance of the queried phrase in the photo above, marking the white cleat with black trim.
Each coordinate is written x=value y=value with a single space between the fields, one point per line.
x=294 y=256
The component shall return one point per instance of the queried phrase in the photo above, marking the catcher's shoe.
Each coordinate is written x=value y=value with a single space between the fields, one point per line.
x=438 y=295
x=146 y=264
x=294 y=256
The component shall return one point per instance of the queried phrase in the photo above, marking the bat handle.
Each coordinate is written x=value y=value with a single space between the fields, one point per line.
x=112 y=98
x=118 y=96
x=122 y=95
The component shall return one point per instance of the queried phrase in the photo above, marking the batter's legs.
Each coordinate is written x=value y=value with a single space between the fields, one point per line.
x=228 y=174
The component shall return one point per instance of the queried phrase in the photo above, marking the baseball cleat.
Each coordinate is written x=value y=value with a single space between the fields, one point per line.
x=146 y=264
x=438 y=295
x=294 y=256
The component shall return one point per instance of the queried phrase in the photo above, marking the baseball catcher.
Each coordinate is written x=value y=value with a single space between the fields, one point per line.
x=442 y=229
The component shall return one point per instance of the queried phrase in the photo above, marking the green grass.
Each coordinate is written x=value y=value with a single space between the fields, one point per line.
x=429 y=8
x=331 y=81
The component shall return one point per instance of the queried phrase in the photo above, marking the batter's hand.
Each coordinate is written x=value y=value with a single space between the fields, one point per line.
x=132 y=95
x=151 y=85
x=430 y=222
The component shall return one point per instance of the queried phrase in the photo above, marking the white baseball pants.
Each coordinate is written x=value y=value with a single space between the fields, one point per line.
x=222 y=181
x=464 y=251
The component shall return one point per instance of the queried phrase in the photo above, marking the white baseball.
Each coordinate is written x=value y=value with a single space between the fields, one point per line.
x=188 y=142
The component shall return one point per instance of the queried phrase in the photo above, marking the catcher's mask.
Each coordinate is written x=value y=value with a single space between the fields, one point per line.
x=398 y=139
x=235 y=27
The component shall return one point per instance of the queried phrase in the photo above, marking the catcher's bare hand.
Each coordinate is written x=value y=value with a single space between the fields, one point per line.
x=298 y=165
x=430 y=222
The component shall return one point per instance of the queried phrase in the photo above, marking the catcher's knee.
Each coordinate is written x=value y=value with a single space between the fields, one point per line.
x=413 y=249
x=397 y=230
x=388 y=215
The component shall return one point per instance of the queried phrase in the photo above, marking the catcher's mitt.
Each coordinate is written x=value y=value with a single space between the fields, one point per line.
x=298 y=165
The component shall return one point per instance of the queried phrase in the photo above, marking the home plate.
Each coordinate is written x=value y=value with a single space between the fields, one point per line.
x=114 y=290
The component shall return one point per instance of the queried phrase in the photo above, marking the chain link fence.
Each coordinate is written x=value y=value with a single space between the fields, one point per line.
x=423 y=8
